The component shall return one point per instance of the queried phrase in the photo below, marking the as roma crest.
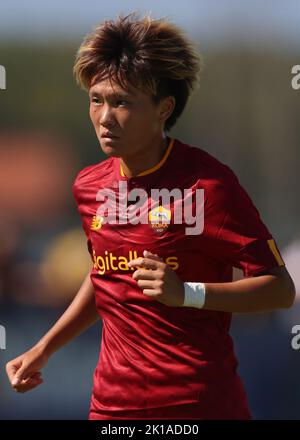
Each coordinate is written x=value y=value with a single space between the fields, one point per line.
x=159 y=218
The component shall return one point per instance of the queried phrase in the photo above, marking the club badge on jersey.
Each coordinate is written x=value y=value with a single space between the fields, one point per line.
x=159 y=219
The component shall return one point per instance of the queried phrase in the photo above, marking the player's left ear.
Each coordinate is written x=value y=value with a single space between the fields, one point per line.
x=167 y=106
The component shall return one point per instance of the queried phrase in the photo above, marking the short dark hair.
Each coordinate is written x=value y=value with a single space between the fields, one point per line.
x=150 y=54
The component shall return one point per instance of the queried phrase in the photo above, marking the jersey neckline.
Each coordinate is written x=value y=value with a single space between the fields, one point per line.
x=151 y=170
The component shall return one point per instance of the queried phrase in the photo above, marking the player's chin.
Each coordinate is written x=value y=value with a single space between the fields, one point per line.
x=111 y=147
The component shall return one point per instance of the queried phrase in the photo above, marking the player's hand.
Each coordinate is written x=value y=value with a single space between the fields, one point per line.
x=23 y=371
x=158 y=280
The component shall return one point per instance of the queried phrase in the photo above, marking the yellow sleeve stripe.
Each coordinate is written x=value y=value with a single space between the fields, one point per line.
x=122 y=172
x=275 y=252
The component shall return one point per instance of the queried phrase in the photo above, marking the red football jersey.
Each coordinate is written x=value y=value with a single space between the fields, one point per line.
x=153 y=355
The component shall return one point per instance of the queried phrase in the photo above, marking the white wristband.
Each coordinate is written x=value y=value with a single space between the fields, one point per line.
x=194 y=295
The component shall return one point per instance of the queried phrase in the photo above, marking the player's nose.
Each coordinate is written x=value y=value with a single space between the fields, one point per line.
x=106 y=117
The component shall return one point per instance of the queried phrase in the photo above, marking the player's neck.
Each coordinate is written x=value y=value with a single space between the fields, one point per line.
x=148 y=158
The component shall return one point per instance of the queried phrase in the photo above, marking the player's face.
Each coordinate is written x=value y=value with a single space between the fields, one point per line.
x=125 y=121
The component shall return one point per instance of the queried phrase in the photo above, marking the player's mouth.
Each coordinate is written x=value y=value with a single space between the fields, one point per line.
x=108 y=135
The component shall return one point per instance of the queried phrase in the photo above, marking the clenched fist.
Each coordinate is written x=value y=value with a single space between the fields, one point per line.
x=158 y=280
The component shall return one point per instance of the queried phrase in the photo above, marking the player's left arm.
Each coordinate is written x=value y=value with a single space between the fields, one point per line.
x=273 y=289
x=270 y=290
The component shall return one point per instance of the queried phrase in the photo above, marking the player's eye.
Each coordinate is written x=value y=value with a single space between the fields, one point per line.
x=95 y=100
x=122 y=103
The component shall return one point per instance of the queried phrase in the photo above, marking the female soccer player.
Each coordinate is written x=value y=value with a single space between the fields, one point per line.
x=165 y=224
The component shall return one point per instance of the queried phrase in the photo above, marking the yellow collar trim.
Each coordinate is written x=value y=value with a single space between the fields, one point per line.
x=156 y=167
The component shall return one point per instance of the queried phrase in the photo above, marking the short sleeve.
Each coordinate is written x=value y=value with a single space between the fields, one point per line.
x=80 y=203
x=238 y=235
x=88 y=241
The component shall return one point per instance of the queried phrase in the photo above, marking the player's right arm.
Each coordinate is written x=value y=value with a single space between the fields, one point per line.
x=24 y=371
